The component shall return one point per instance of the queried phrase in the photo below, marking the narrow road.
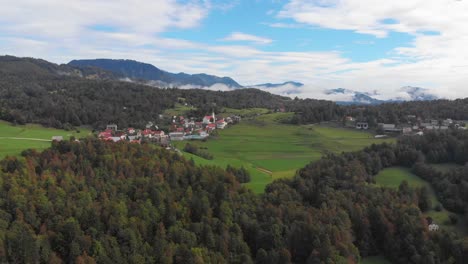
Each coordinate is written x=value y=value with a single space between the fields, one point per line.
x=34 y=139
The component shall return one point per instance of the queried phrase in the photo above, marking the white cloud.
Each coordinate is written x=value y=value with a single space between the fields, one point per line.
x=239 y=36
x=62 y=30
x=379 y=17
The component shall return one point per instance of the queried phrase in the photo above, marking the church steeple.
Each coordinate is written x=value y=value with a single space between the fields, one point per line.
x=214 y=117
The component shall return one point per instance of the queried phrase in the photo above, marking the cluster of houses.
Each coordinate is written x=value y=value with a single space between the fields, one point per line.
x=151 y=133
x=412 y=128
x=180 y=129
x=187 y=128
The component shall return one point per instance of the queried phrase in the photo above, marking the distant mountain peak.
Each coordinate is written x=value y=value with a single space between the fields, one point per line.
x=416 y=94
x=407 y=93
x=276 y=85
x=136 y=70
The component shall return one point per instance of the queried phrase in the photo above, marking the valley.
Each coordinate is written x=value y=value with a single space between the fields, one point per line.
x=271 y=150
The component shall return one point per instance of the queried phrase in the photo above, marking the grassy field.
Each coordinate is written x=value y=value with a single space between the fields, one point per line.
x=375 y=260
x=245 y=113
x=392 y=177
x=179 y=109
x=14 y=139
x=270 y=150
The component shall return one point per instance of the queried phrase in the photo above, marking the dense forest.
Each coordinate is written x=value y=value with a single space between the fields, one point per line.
x=93 y=201
x=315 y=111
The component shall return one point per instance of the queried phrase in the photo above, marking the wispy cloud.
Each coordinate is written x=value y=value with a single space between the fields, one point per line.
x=239 y=36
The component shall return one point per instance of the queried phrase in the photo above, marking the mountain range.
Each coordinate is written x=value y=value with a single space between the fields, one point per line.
x=408 y=93
x=143 y=71
x=108 y=69
x=277 y=85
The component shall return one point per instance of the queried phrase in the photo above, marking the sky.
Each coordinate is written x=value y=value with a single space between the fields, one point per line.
x=372 y=46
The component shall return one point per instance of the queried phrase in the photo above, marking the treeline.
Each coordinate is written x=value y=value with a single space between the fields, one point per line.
x=451 y=186
x=195 y=150
x=61 y=96
x=95 y=201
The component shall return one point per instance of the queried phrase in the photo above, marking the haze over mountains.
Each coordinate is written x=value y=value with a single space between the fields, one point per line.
x=146 y=73
x=139 y=71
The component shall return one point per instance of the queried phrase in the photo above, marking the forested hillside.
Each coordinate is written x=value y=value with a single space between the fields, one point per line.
x=36 y=91
x=61 y=96
x=127 y=203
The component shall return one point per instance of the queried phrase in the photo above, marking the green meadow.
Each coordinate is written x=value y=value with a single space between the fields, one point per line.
x=179 y=109
x=394 y=176
x=270 y=150
x=16 y=138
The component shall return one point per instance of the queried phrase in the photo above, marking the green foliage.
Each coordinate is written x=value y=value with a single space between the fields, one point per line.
x=193 y=149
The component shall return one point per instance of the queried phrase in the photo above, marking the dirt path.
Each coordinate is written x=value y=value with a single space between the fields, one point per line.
x=34 y=139
x=265 y=171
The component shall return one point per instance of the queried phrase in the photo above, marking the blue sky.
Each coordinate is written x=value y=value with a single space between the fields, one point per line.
x=365 y=45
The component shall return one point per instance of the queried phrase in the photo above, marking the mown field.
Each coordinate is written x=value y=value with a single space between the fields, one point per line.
x=270 y=150
x=15 y=139
x=393 y=177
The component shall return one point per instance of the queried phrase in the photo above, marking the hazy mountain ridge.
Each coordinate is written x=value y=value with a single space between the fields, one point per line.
x=143 y=71
x=276 y=85
x=407 y=93
x=38 y=68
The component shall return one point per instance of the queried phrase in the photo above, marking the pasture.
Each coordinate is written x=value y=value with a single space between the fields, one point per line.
x=270 y=150
x=394 y=176
x=16 y=138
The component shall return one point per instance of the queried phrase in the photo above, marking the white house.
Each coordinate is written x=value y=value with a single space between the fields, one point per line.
x=433 y=227
x=390 y=128
x=112 y=127
x=221 y=124
x=176 y=136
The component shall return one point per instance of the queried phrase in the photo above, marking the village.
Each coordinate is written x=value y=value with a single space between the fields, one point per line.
x=181 y=128
x=415 y=126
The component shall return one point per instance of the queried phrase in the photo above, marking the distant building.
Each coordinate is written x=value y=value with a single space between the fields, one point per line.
x=176 y=136
x=131 y=130
x=362 y=125
x=390 y=128
x=447 y=122
x=111 y=127
x=209 y=119
x=57 y=138
x=407 y=130
x=210 y=127
x=221 y=124
x=433 y=227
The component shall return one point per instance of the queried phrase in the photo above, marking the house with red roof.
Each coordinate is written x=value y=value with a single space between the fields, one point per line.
x=131 y=130
x=210 y=127
x=221 y=124
x=105 y=135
